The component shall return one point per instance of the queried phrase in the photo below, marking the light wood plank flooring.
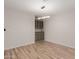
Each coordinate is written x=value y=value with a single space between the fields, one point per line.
x=40 y=50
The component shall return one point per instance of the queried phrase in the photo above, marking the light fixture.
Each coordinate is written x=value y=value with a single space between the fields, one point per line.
x=43 y=17
x=43 y=7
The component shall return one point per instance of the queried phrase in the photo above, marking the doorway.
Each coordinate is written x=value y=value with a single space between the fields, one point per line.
x=39 y=30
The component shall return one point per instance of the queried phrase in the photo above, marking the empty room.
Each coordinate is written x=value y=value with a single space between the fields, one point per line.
x=39 y=29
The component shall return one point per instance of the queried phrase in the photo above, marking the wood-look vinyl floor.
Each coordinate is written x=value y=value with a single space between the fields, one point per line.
x=40 y=50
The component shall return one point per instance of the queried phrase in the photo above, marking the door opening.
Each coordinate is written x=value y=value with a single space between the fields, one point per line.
x=39 y=30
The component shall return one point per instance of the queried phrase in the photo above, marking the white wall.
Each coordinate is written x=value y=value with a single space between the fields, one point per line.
x=60 y=29
x=19 y=28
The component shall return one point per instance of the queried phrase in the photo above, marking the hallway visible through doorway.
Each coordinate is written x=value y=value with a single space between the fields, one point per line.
x=39 y=29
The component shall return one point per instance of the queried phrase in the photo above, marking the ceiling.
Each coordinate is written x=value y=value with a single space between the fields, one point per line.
x=34 y=6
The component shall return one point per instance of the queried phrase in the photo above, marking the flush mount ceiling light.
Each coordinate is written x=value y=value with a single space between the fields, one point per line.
x=43 y=7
